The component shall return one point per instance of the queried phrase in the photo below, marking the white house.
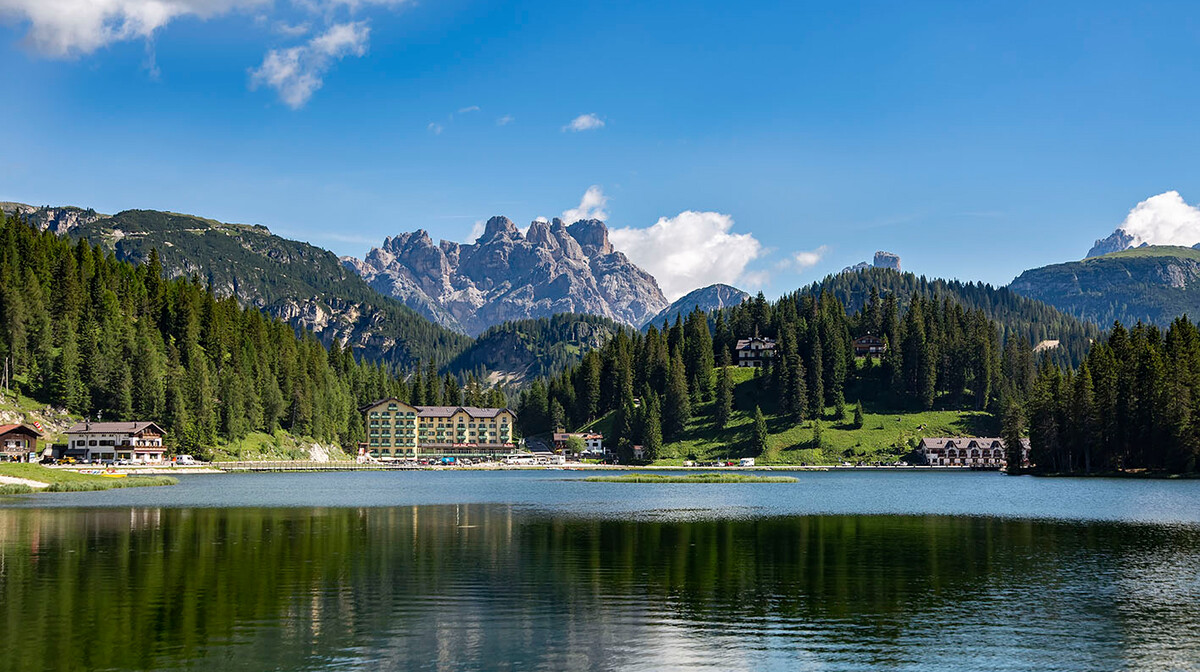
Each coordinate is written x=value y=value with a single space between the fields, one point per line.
x=968 y=452
x=135 y=441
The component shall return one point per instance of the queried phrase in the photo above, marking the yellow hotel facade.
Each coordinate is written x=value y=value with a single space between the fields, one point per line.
x=397 y=430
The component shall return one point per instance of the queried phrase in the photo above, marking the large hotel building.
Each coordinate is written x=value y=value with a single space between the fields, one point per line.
x=396 y=429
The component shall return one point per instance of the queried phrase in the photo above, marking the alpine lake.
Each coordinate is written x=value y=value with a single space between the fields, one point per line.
x=539 y=570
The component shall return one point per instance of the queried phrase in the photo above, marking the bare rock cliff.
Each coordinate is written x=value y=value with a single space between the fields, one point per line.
x=504 y=275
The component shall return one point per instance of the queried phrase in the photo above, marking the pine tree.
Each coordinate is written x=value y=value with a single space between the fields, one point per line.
x=652 y=439
x=761 y=445
x=1011 y=432
x=859 y=420
x=677 y=404
x=723 y=408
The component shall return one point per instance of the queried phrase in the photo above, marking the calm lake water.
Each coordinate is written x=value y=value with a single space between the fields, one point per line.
x=534 y=571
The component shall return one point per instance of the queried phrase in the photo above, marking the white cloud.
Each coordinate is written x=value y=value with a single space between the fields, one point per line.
x=297 y=72
x=691 y=250
x=802 y=260
x=584 y=122
x=505 y=120
x=543 y=220
x=68 y=27
x=477 y=230
x=472 y=108
x=290 y=29
x=435 y=128
x=1165 y=219
x=591 y=206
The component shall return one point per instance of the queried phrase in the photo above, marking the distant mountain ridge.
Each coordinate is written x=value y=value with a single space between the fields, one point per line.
x=505 y=275
x=304 y=285
x=1153 y=284
x=708 y=299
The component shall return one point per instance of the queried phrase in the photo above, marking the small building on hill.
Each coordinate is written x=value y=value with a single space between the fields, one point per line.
x=968 y=452
x=869 y=346
x=18 y=443
x=754 y=352
x=111 y=441
x=593 y=443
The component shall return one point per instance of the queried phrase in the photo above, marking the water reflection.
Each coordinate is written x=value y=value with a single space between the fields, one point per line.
x=492 y=587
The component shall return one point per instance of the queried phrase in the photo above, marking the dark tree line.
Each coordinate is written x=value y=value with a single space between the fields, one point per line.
x=1134 y=403
x=115 y=341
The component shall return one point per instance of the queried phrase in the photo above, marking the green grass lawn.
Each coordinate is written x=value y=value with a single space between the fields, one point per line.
x=62 y=480
x=262 y=446
x=888 y=433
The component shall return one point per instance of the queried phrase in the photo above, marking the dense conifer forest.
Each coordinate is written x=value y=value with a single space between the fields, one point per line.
x=1134 y=403
x=110 y=340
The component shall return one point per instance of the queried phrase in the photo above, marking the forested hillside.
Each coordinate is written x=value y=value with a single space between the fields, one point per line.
x=107 y=338
x=1027 y=318
x=1154 y=284
x=940 y=355
x=522 y=350
x=304 y=285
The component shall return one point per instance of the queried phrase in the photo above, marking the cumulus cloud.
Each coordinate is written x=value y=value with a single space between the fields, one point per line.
x=297 y=72
x=691 y=250
x=69 y=27
x=1165 y=219
x=802 y=260
x=591 y=206
x=584 y=122
x=505 y=120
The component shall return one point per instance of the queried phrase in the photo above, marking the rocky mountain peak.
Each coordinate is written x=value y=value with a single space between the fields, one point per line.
x=499 y=226
x=503 y=275
x=592 y=235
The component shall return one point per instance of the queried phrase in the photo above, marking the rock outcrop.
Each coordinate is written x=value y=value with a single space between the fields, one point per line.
x=60 y=220
x=882 y=260
x=506 y=275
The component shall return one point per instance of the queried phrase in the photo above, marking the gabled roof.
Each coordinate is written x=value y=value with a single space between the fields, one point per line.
x=114 y=428
x=447 y=411
x=373 y=404
x=19 y=429
x=743 y=343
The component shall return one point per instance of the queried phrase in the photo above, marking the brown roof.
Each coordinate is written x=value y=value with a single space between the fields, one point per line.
x=447 y=411
x=114 y=428
x=743 y=343
x=19 y=429
x=965 y=442
x=563 y=436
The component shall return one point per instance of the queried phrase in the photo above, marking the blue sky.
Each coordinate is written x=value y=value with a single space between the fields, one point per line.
x=976 y=141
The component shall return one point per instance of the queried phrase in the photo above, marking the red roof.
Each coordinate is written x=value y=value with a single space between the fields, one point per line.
x=5 y=429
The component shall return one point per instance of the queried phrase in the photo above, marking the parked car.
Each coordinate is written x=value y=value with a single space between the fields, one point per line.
x=185 y=460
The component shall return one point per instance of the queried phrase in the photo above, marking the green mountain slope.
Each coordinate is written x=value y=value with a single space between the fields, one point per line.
x=522 y=350
x=1152 y=284
x=304 y=285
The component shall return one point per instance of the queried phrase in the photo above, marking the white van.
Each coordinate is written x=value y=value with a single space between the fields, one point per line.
x=185 y=460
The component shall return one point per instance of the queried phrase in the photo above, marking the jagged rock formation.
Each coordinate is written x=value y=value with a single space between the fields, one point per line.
x=504 y=275
x=60 y=220
x=713 y=297
x=882 y=260
x=1118 y=241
